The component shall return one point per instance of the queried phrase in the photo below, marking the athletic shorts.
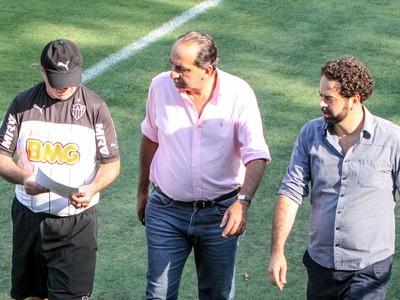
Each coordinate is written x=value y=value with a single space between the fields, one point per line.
x=53 y=257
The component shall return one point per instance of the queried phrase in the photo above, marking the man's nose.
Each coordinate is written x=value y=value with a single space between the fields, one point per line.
x=174 y=74
x=62 y=89
x=322 y=103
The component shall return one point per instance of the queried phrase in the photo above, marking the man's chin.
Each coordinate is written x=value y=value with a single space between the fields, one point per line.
x=329 y=120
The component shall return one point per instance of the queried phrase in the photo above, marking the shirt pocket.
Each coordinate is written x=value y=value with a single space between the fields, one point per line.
x=373 y=173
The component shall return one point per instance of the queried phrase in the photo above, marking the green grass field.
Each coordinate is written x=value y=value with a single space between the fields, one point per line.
x=277 y=46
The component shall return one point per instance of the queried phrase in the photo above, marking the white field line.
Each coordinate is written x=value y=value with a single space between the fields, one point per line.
x=152 y=37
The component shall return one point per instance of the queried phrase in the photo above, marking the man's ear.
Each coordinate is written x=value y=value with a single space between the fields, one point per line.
x=209 y=71
x=43 y=71
x=355 y=101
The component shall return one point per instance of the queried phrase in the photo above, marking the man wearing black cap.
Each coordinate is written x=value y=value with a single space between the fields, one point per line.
x=59 y=130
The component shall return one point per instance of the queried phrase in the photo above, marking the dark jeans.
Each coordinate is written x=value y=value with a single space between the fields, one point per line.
x=173 y=229
x=369 y=283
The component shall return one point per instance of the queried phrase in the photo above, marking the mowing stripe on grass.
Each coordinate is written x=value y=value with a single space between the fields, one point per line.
x=152 y=37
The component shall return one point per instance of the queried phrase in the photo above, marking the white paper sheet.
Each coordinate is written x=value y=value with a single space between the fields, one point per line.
x=54 y=186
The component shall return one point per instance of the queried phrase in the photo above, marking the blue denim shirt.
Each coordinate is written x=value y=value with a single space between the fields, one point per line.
x=352 y=196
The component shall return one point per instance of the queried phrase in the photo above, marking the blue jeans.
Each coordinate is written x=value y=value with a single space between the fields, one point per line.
x=369 y=283
x=172 y=230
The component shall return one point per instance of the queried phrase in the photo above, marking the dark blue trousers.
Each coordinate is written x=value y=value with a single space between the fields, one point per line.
x=369 y=283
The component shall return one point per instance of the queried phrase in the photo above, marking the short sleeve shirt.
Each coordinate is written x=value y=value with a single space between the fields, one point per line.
x=65 y=139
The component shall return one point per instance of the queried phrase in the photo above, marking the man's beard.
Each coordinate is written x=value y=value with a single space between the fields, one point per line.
x=331 y=119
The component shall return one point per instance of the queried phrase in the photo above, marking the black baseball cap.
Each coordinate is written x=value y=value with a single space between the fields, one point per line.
x=62 y=61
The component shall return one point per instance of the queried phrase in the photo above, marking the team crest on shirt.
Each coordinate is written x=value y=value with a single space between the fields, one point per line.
x=77 y=110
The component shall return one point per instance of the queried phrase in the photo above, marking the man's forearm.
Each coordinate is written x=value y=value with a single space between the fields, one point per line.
x=254 y=173
x=11 y=172
x=285 y=214
x=147 y=150
x=106 y=174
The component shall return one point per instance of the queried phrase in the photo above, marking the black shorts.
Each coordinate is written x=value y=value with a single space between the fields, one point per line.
x=53 y=257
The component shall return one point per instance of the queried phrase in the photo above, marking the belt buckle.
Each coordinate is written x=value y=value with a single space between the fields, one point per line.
x=200 y=204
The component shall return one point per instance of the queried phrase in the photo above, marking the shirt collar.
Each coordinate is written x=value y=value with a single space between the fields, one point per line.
x=368 y=129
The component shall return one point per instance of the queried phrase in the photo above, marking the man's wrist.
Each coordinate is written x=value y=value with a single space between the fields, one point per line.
x=245 y=198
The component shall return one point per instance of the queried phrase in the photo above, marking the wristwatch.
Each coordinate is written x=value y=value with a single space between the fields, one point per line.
x=244 y=198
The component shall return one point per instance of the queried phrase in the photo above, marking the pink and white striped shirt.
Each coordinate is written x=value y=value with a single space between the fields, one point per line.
x=201 y=158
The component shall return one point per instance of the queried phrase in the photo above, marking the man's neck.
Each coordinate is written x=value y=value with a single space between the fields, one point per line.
x=351 y=125
x=206 y=92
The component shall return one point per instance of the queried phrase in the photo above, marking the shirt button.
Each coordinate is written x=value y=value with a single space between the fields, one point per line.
x=339 y=212
x=337 y=228
x=337 y=245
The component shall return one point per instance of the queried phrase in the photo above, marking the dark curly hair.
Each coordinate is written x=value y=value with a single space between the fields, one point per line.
x=352 y=75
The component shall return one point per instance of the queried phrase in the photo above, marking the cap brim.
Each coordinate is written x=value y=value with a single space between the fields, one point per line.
x=64 y=80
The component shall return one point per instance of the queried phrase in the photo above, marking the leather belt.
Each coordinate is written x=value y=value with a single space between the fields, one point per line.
x=201 y=203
